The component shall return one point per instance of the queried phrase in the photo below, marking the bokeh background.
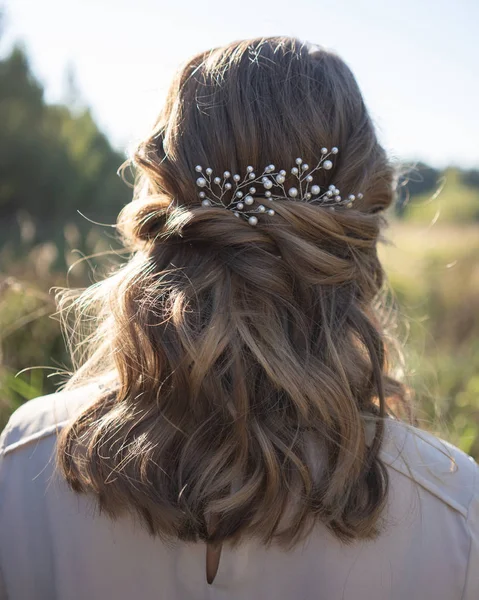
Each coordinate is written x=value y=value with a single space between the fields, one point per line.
x=82 y=80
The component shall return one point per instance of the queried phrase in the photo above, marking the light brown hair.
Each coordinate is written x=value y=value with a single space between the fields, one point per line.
x=243 y=365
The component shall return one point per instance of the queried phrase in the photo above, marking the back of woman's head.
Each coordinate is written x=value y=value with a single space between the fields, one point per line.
x=243 y=362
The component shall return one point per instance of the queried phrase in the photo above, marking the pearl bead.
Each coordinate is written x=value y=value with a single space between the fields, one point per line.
x=307 y=196
x=324 y=150
x=268 y=184
x=252 y=220
x=327 y=164
x=271 y=212
x=217 y=180
x=236 y=214
x=349 y=204
x=202 y=195
x=226 y=174
x=360 y=196
x=201 y=182
x=267 y=194
x=352 y=197
x=228 y=186
x=271 y=168
x=248 y=200
x=293 y=192
x=298 y=161
x=336 y=192
x=261 y=208
x=209 y=170
x=332 y=187
x=240 y=206
x=252 y=190
x=252 y=175
x=282 y=172
x=334 y=150
x=305 y=167
x=198 y=168
x=236 y=177
x=239 y=194
x=280 y=179
x=315 y=189
x=294 y=171
x=249 y=169
x=337 y=198
x=206 y=202
x=309 y=178
x=329 y=193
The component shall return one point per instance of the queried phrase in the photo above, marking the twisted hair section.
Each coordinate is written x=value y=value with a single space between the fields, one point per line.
x=247 y=371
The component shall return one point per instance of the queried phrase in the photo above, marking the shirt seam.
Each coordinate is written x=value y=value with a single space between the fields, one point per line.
x=47 y=431
x=390 y=460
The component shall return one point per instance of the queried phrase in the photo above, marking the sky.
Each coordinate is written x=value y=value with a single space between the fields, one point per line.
x=416 y=61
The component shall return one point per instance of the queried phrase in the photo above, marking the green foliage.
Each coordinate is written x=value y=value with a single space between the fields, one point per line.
x=33 y=356
x=434 y=272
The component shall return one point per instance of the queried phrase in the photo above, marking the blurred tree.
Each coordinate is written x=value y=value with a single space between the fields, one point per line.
x=415 y=179
x=53 y=161
x=470 y=178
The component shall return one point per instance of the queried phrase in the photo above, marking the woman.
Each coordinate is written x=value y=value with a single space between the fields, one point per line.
x=233 y=428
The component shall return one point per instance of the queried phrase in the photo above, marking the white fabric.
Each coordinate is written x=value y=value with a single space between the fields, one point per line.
x=55 y=546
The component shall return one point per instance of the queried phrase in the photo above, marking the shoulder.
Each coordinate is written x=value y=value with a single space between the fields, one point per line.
x=44 y=416
x=436 y=465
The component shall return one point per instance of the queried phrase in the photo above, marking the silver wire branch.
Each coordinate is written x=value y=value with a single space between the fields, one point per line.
x=243 y=202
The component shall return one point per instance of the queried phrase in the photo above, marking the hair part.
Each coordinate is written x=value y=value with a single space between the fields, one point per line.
x=247 y=371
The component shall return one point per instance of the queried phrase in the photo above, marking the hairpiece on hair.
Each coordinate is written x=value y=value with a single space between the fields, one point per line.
x=241 y=191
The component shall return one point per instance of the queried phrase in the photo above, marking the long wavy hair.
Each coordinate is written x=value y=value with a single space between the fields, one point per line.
x=246 y=372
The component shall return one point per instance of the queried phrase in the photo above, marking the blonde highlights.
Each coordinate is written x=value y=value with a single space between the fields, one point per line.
x=247 y=370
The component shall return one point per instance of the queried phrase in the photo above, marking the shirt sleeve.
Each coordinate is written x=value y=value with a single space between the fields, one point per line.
x=471 y=588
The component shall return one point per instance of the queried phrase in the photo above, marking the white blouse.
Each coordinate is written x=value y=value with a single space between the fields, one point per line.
x=55 y=546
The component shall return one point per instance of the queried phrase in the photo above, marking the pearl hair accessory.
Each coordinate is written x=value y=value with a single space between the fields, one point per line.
x=242 y=190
